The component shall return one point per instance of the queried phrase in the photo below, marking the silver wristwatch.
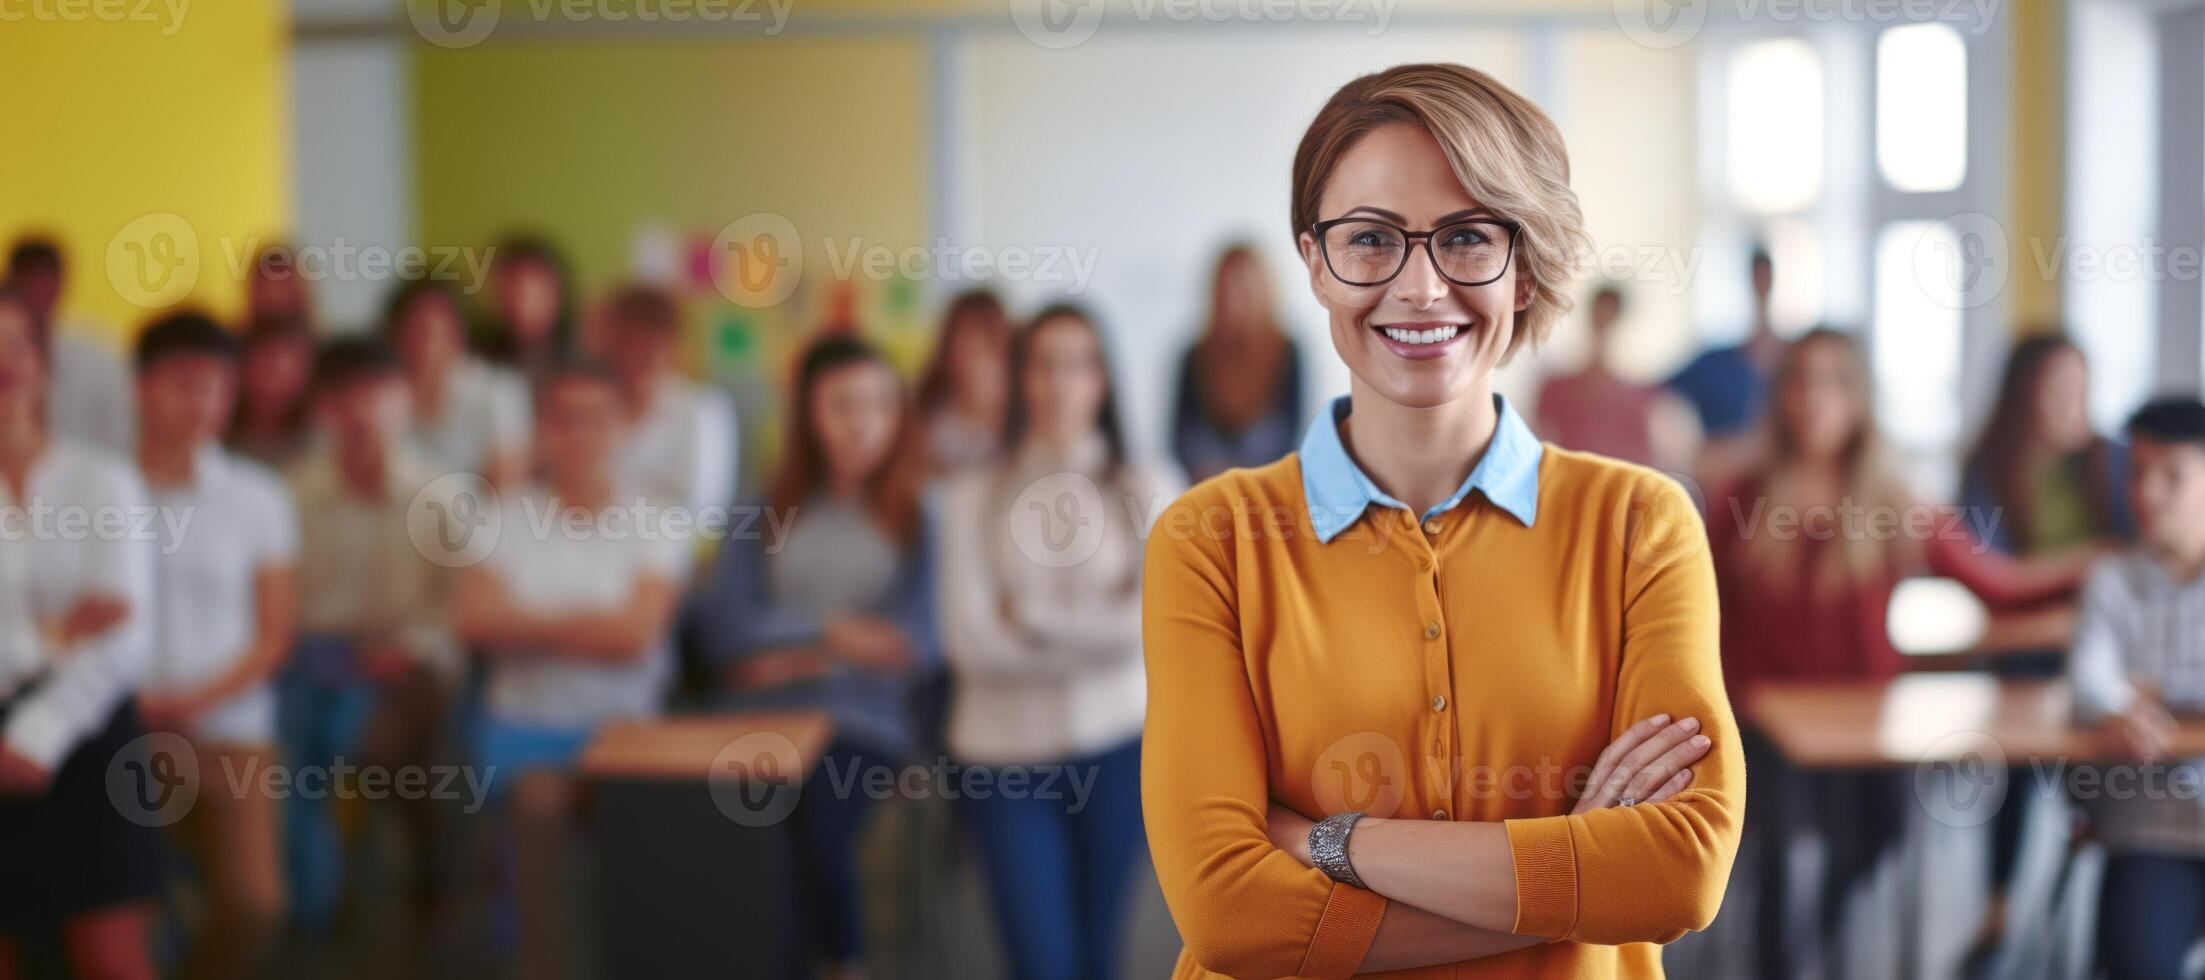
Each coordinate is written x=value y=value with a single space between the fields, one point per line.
x=1328 y=846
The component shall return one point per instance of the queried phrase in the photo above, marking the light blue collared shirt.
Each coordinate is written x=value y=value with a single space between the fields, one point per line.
x=1339 y=492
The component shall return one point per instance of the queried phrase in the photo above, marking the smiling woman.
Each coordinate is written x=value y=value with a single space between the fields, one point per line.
x=1414 y=696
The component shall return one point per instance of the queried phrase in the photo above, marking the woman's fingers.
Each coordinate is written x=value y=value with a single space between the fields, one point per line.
x=1665 y=767
x=1675 y=785
x=1654 y=748
x=1602 y=785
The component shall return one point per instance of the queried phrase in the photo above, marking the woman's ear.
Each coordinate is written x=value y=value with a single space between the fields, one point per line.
x=1315 y=260
x=1524 y=288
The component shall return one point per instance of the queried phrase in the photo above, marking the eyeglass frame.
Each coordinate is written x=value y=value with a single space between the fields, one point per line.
x=1409 y=238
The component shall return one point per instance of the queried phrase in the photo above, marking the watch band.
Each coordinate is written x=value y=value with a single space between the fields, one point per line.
x=1328 y=847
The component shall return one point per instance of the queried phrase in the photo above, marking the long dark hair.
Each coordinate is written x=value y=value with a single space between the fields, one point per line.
x=494 y=339
x=973 y=309
x=892 y=489
x=1019 y=416
x=2001 y=461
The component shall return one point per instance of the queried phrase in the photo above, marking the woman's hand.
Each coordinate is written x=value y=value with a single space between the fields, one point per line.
x=1646 y=765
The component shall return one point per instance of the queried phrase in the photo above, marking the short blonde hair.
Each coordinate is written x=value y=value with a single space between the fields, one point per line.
x=1506 y=152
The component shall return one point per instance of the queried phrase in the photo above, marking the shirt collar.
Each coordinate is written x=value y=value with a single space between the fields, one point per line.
x=1338 y=491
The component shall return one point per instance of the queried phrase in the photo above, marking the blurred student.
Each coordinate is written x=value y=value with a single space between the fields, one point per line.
x=276 y=288
x=1726 y=387
x=76 y=615
x=2138 y=662
x=827 y=602
x=226 y=598
x=963 y=393
x=375 y=672
x=531 y=311
x=1804 y=580
x=681 y=446
x=270 y=426
x=2055 y=485
x=1047 y=652
x=1239 y=399
x=88 y=390
x=468 y=415
x=572 y=622
x=1598 y=411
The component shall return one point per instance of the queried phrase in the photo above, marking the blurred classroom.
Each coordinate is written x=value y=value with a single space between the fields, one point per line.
x=792 y=258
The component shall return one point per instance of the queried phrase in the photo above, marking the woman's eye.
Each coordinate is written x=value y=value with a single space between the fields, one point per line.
x=1465 y=238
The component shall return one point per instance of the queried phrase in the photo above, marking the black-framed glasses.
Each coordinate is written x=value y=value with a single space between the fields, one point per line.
x=1369 y=252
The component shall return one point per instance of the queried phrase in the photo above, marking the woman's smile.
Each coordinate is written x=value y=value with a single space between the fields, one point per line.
x=1423 y=339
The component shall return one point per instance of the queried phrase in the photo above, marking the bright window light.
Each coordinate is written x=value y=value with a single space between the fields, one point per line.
x=1774 y=159
x=1917 y=334
x=1922 y=107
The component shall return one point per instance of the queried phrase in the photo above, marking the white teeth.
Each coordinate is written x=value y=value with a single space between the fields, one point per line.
x=1431 y=336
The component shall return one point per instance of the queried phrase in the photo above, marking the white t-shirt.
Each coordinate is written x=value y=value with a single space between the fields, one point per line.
x=79 y=534
x=684 y=450
x=548 y=569
x=233 y=520
x=90 y=397
x=485 y=410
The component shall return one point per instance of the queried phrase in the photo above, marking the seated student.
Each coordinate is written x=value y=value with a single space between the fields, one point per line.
x=1804 y=590
x=572 y=622
x=226 y=595
x=2138 y=659
x=88 y=389
x=681 y=442
x=76 y=614
x=829 y=605
x=468 y=415
x=277 y=362
x=376 y=671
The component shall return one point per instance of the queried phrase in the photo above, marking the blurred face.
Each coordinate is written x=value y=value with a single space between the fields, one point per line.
x=22 y=371
x=1764 y=278
x=367 y=411
x=430 y=336
x=1066 y=380
x=1821 y=406
x=276 y=287
x=1419 y=341
x=2167 y=490
x=1241 y=294
x=2062 y=402
x=856 y=412
x=276 y=372
x=977 y=357
x=1606 y=309
x=187 y=398
x=528 y=300
x=579 y=424
x=40 y=288
x=640 y=353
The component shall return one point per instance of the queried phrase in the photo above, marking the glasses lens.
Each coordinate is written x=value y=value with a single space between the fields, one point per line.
x=1364 y=252
x=1472 y=252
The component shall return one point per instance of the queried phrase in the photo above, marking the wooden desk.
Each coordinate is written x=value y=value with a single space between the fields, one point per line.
x=1939 y=717
x=685 y=886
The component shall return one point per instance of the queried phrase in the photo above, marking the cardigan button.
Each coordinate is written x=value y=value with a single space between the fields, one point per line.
x=1439 y=814
x=1431 y=631
x=1439 y=703
x=1432 y=526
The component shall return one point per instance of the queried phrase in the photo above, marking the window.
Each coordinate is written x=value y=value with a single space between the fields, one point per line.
x=1775 y=131
x=1922 y=108
x=1920 y=283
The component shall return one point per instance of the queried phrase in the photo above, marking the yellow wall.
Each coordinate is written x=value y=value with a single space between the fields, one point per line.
x=2038 y=94
x=112 y=122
